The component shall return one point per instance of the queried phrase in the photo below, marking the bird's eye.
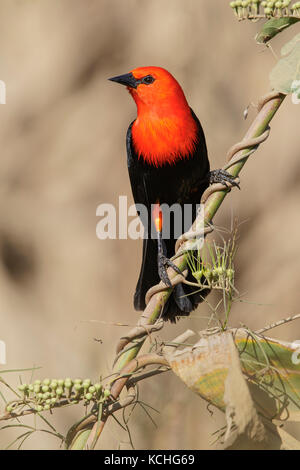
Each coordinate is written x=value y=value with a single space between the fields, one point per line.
x=148 y=80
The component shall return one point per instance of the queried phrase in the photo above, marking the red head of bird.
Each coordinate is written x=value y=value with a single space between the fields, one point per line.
x=164 y=130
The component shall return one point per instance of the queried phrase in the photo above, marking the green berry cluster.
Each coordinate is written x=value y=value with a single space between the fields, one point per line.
x=48 y=393
x=215 y=276
x=253 y=9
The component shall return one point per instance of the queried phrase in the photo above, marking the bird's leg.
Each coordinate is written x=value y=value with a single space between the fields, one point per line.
x=163 y=262
x=222 y=176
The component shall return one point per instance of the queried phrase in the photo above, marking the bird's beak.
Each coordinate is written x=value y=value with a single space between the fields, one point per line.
x=127 y=79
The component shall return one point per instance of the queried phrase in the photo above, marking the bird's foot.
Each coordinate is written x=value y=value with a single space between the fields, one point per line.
x=222 y=176
x=163 y=264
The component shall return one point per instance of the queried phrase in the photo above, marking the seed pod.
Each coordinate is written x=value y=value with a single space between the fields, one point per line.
x=220 y=270
x=68 y=384
x=98 y=388
x=208 y=274
x=230 y=273
x=53 y=385
x=59 y=391
x=198 y=274
x=36 y=388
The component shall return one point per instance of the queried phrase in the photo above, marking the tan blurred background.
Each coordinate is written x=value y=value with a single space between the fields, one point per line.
x=62 y=137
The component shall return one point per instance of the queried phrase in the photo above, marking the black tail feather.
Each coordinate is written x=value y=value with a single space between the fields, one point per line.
x=183 y=300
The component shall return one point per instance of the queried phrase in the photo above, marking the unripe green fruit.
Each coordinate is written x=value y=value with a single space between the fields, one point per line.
x=61 y=382
x=46 y=407
x=229 y=274
x=46 y=395
x=53 y=385
x=46 y=382
x=45 y=388
x=9 y=408
x=78 y=381
x=77 y=387
x=22 y=387
x=39 y=408
x=106 y=393
x=88 y=396
x=59 y=391
x=220 y=270
x=208 y=274
x=30 y=387
x=98 y=387
x=198 y=274
x=37 y=382
x=92 y=389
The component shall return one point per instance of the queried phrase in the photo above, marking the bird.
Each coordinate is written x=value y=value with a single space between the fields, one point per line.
x=168 y=164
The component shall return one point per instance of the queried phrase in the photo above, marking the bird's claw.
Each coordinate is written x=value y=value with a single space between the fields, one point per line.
x=163 y=264
x=222 y=176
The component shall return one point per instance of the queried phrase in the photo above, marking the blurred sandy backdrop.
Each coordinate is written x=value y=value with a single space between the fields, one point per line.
x=62 y=137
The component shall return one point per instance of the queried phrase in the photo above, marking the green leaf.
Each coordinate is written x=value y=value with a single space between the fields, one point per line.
x=274 y=26
x=269 y=365
x=273 y=371
x=286 y=72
